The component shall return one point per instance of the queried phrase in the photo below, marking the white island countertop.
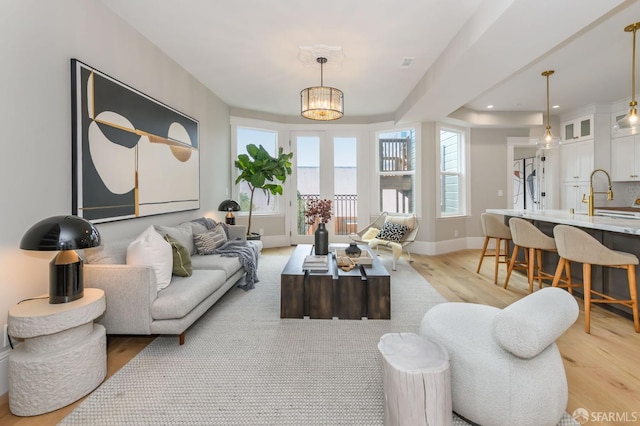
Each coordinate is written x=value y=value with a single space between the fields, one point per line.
x=582 y=220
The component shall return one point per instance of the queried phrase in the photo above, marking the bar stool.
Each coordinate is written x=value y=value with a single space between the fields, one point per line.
x=575 y=245
x=493 y=227
x=534 y=242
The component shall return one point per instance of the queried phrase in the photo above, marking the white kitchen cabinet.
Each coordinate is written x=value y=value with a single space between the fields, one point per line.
x=578 y=129
x=577 y=160
x=572 y=194
x=625 y=161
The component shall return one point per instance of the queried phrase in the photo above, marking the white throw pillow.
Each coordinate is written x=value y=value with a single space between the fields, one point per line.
x=150 y=249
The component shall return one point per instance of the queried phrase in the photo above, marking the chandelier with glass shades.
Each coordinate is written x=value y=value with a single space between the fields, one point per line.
x=321 y=102
x=548 y=140
x=629 y=123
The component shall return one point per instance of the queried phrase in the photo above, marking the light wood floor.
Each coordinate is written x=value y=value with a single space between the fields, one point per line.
x=603 y=367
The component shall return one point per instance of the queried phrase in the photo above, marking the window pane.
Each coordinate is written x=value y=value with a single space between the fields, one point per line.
x=308 y=165
x=450 y=191
x=262 y=203
x=451 y=173
x=396 y=193
x=396 y=167
x=345 y=178
x=450 y=151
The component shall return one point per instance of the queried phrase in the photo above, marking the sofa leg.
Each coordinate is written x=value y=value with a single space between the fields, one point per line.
x=181 y=337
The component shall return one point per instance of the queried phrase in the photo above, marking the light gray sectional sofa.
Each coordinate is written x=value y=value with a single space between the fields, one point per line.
x=136 y=304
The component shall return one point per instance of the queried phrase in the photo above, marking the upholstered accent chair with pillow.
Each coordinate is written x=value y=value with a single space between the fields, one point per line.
x=390 y=230
x=505 y=366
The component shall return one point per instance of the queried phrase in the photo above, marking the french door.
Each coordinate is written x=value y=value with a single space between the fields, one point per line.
x=325 y=167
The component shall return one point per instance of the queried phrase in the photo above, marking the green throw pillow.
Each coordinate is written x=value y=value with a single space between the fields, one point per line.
x=181 y=258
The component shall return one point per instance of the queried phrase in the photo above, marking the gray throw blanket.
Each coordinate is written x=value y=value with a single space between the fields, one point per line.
x=210 y=224
x=206 y=222
x=247 y=254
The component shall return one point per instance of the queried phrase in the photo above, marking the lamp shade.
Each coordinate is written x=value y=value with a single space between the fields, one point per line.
x=322 y=103
x=64 y=234
x=61 y=233
x=229 y=205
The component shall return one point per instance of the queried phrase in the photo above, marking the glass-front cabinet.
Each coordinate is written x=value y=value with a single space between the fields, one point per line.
x=578 y=129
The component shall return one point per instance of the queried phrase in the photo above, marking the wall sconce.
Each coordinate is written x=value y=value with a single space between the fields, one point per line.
x=229 y=206
x=65 y=234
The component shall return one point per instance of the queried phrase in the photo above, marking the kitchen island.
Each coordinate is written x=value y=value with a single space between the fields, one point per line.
x=617 y=233
x=581 y=220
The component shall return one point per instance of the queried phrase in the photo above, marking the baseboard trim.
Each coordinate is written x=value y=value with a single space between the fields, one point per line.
x=275 y=241
x=446 y=246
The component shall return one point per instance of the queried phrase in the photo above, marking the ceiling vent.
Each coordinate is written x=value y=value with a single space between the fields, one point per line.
x=407 y=62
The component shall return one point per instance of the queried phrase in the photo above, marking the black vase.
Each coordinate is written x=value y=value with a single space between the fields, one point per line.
x=322 y=240
x=353 y=251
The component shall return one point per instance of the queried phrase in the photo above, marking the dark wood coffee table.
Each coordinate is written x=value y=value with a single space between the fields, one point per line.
x=362 y=292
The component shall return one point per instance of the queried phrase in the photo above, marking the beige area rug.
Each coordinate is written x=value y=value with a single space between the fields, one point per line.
x=243 y=365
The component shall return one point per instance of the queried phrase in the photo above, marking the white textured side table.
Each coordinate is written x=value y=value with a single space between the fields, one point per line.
x=417 y=381
x=64 y=354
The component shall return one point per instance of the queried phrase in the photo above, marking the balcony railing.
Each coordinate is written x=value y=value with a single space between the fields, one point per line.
x=394 y=154
x=345 y=214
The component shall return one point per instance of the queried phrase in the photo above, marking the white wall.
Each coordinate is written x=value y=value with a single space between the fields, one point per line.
x=488 y=169
x=37 y=41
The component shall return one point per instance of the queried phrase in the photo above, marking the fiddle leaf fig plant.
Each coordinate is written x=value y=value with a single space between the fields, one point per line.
x=262 y=171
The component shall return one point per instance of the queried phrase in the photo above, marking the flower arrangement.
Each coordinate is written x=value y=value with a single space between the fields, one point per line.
x=316 y=211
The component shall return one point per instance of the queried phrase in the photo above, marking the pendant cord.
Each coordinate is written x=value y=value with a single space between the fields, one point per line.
x=633 y=68
x=548 y=114
x=321 y=61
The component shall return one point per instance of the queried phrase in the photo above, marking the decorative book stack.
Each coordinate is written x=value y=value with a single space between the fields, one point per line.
x=316 y=263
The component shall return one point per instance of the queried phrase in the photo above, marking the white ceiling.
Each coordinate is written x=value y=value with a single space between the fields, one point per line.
x=469 y=53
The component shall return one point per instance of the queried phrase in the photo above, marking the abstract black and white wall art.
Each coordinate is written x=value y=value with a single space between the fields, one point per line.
x=133 y=156
x=525 y=184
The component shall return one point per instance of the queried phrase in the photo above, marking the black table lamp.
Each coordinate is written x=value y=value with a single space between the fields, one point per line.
x=229 y=206
x=64 y=234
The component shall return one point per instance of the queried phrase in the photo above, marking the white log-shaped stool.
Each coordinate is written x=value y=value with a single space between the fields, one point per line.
x=417 y=381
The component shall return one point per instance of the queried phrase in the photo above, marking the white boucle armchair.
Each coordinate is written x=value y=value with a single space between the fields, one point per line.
x=505 y=366
x=369 y=234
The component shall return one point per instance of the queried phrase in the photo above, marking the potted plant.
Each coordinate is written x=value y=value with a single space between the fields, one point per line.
x=262 y=171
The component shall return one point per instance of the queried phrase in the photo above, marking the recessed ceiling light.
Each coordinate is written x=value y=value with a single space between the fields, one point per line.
x=489 y=106
x=555 y=106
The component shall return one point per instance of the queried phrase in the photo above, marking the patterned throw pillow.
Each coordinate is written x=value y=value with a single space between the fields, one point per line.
x=392 y=232
x=208 y=242
x=181 y=258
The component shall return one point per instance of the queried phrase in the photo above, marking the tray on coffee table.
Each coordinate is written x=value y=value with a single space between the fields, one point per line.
x=365 y=258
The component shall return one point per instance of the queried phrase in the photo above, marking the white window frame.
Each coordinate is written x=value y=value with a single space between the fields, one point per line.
x=463 y=174
x=282 y=141
x=387 y=127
